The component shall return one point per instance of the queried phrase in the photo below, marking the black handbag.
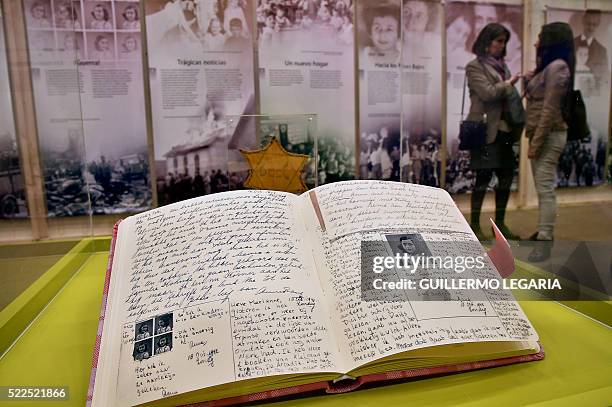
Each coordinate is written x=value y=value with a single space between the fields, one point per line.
x=575 y=116
x=472 y=134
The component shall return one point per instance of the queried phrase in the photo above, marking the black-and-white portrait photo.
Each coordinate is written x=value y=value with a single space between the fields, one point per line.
x=127 y=15
x=380 y=35
x=411 y=244
x=68 y=15
x=101 y=46
x=421 y=27
x=163 y=323
x=98 y=15
x=163 y=343
x=129 y=46
x=590 y=44
x=71 y=45
x=38 y=13
x=143 y=330
x=143 y=349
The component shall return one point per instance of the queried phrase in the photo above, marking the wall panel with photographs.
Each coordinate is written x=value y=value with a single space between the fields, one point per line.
x=421 y=161
x=86 y=68
x=369 y=70
x=583 y=162
x=306 y=65
x=200 y=72
x=400 y=71
x=380 y=100
x=12 y=183
x=463 y=23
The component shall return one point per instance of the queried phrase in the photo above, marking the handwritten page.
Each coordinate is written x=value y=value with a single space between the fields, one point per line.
x=355 y=211
x=357 y=206
x=218 y=289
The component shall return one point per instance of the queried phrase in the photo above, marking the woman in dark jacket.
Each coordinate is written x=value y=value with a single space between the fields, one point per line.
x=491 y=86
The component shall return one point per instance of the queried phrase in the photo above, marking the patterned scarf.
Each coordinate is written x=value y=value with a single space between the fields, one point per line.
x=502 y=69
x=498 y=64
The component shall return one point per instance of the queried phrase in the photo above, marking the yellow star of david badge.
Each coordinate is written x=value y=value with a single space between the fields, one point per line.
x=275 y=168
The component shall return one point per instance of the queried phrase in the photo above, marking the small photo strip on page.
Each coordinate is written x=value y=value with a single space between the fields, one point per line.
x=163 y=343
x=153 y=336
x=143 y=349
x=163 y=324
x=144 y=330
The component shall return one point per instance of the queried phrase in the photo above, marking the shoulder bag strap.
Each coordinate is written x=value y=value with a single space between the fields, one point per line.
x=463 y=96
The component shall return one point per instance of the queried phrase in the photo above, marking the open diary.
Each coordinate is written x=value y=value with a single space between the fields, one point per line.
x=248 y=295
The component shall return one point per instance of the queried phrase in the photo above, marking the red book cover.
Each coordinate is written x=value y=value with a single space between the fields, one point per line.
x=380 y=378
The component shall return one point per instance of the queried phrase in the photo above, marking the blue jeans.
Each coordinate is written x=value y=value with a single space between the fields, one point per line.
x=544 y=169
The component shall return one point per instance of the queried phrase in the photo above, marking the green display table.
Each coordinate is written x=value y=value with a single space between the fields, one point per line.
x=55 y=349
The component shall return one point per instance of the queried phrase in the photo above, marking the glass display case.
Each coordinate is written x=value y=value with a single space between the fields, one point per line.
x=112 y=108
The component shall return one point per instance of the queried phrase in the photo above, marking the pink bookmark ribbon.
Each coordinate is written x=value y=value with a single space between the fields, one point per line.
x=501 y=254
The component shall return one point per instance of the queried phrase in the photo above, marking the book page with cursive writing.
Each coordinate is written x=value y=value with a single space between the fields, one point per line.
x=344 y=214
x=214 y=290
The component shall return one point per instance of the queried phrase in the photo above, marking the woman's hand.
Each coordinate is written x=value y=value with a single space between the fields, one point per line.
x=513 y=79
x=532 y=154
x=529 y=75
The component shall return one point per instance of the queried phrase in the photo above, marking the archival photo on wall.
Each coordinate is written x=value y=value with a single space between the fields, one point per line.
x=12 y=183
x=86 y=64
x=379 y=50
x=583 y=162
x=421 y=121
x=306 y=65
x=464 y=21
x=200 y=73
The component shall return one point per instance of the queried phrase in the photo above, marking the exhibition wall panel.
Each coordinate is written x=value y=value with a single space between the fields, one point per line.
x=24 y=118
x=400 y=99
x=536 y=15
x=306 y=66
x=379 y=49
x=86 y=68
x=464 y=20
x=200 y=72
x=582 y=163
x=116 y=110
x=422 y=93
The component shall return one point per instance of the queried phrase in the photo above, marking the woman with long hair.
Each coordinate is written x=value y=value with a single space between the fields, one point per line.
x=546 y=91
x=491 y=85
